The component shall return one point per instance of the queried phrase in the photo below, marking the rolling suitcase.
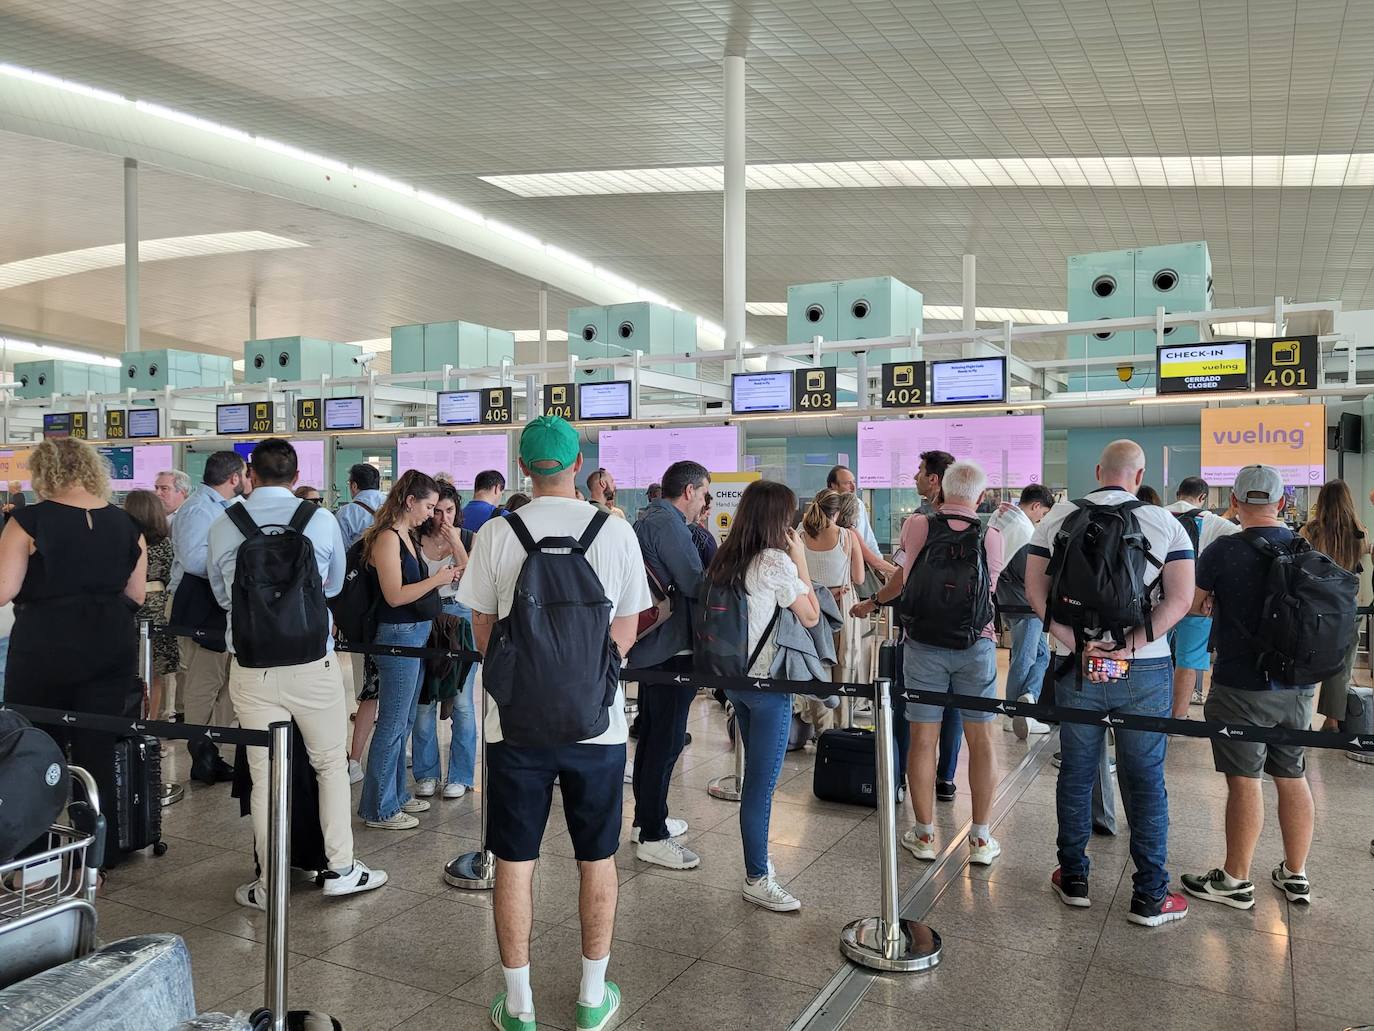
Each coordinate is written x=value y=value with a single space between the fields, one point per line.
x=846 y=768
x=138 y=794
x=1359 y=711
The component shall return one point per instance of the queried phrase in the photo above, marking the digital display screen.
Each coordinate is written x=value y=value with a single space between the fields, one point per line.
x=1291 y=438
x=343 y=413
x=57 y=424
x=136 y=467
x=462 y=457
x=968 y=381
x=637 y=458
x=1203 y=368
x=604 y=400
x=762 y=391
x=310 y=470
x=1010 y=448
x=144 y=422
x=460 y=407
x=232 y=418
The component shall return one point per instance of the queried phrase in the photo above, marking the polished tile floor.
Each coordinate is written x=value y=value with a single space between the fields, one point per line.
x=691 y=955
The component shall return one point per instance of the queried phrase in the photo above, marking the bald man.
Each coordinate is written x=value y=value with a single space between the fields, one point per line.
x=1145 y=688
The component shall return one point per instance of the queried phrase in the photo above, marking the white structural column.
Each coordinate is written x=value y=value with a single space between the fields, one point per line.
x=734 y=208
x=130 y=254
x=544 y=325
x=970 y=301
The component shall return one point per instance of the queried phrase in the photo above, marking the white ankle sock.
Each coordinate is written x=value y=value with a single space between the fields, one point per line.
x=980 y=831
x=519 y=998
x=1231 y=882
x=342 y=871
x=925 y=830
x=593 y=990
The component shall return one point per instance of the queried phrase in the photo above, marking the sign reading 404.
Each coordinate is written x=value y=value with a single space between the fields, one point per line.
x=1286 y=363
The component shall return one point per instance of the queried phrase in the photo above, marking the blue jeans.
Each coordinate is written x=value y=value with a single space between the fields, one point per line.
x=1146 y=691
x=424 y=743
x=763 y=720
x=1030 y=657
x=384 y=783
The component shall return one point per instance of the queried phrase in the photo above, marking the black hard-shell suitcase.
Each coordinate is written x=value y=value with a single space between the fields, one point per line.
x=138 y=794
x=846 y=768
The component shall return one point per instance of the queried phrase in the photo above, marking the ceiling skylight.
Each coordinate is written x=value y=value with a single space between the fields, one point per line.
x=32 y=349
x=1183 y=172
x=88 y=259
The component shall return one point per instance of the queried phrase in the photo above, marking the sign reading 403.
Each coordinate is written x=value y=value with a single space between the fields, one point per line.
x=815 y=390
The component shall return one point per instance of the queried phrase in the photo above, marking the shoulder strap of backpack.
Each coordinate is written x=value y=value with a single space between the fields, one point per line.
x=364 y=506
x=522 y=532
x=305 y=512
x=767 y=633
x=593 y=528
x=239 y=516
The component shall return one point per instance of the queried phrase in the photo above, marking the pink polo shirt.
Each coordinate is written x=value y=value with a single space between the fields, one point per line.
x=916 y=530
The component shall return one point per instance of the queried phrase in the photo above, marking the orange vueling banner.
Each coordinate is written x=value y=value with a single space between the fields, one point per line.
x=14 y=465
x=1292 y=438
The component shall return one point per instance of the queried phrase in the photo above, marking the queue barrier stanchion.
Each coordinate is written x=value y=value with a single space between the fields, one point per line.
x=476 y=871
x=887 y=942
x=730 y=788
x=278 y=865
x=171 y=793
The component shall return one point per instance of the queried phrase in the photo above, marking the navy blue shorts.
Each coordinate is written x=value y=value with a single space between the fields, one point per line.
x=520 y=792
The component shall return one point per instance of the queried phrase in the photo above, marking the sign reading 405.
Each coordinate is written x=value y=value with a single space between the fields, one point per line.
x=496 y=405
x=1286 y=363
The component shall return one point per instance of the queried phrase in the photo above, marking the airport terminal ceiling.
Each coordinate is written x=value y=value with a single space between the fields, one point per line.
x=451 y=94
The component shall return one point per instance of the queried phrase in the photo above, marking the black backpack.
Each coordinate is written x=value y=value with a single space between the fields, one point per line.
x=1308 y=619
x=1097 y=572
x=551 y=666
x=720 y=631
x=33 y=783
x=1192 y=526
x=355 y=606
x=277 y=601
x=946 y=601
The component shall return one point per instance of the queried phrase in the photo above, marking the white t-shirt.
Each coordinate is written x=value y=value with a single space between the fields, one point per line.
x=1016 y=530
x=771 y=582
x=1164 y=535
x=1214 y=527
x=488 y=584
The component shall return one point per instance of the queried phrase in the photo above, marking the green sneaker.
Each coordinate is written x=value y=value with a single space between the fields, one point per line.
x=594 y=1018
x=506 y=1021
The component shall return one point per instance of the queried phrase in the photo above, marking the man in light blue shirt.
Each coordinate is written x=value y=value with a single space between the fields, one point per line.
x=356 y=516
x=205 y=696
x=311 y=693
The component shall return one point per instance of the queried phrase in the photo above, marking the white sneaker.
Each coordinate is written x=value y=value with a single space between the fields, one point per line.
x=676 y=828
x=1034 y=726
x=455 y=790
x=426 y=787
x=252 y=895
x=360 y=878
x=355 y=771
x=415 y=805
x=767 y=893
x=921 y=848
x=400 y=822
x=668 y=854
x=1025 y=725
x=983 y=851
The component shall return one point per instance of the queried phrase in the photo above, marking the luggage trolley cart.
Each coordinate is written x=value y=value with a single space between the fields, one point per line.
x=47 y=900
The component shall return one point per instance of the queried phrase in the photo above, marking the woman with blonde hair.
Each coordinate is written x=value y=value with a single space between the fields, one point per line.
x=75 y=567
x=834 y=559
x=410 y=601
x=1336 y=531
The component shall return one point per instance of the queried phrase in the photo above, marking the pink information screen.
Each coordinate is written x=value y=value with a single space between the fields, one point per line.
x=1010 y=448
x=462 y=456
x=637 y=458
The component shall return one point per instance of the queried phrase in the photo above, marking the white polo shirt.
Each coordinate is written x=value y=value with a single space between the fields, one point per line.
x=488 y=584
x=1164 y=536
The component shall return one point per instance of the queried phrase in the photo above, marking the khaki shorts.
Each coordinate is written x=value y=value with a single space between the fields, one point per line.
x=1288 y=707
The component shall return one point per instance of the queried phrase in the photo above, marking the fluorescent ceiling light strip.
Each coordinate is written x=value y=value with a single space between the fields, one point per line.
x=651 y=180
x=56 y=351
x=1118 y=172
x=88 y=259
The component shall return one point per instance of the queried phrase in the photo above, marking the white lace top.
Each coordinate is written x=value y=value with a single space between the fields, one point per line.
x=771 y=582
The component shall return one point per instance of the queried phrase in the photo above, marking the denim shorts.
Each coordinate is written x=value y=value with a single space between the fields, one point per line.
x=966 y=671
x=520 y=793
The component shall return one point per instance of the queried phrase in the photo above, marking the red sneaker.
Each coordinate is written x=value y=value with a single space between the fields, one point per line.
x=1172 y=906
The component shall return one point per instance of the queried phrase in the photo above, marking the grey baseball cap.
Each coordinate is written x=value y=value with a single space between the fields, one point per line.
x=1258 y=485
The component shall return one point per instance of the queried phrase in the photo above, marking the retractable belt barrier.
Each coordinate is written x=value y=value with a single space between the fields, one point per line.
x=124 y=726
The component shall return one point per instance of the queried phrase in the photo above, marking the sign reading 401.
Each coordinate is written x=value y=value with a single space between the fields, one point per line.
x=1286 y=363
